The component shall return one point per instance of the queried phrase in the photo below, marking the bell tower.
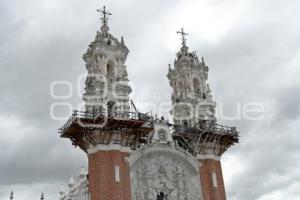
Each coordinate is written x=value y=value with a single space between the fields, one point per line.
x=191 y=98
x=106 y=85
x=106 y=130
x=195 y=127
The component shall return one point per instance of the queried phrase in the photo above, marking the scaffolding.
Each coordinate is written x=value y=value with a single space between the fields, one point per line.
x=130 y=129
x=205 y=137
x=97 y=127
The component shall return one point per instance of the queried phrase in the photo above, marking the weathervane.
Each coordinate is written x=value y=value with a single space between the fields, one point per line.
x=105 y=14
x=183 y=34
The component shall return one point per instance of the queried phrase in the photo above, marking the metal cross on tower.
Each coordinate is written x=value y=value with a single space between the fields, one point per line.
x=105 y=15
x=183 y=34
x=11 y=195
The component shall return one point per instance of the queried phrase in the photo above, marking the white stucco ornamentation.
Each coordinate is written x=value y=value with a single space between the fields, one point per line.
x=162 y=168
x=159 y=169
x=191 y=98
x=106 y=84
x=77 y=189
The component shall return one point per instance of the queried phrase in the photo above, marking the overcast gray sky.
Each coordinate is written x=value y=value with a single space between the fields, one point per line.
x=252 y=48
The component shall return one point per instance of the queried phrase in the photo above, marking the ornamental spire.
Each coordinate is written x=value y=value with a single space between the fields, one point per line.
x=105 y=13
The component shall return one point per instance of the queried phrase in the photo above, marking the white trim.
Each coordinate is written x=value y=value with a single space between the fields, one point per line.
x=208 y=156
x=110 y=147
x=214 y=179
x=117 y=173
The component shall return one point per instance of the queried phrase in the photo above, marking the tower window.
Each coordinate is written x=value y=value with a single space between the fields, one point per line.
x=111 y=107
x=110 y=71
x=196 y=85
x=185 y=123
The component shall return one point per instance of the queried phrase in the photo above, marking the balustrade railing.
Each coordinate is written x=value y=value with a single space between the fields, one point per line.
x=101 y=113
x=208 y=126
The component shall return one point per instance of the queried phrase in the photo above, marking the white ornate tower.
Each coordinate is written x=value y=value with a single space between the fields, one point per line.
x=195 y=126
x=191 y=97
x=107 y=82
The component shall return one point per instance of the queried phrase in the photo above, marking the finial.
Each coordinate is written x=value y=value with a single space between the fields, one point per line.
x=202 y=60
x=183 y=34
x=71 y=182
x=104 y=18
x=11 y=195
x=122 y=41
x=42 y=196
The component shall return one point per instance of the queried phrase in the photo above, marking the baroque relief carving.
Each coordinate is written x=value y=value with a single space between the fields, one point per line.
x=158 y=170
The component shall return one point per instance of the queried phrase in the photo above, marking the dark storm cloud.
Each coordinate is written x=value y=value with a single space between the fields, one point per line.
x=43 y=41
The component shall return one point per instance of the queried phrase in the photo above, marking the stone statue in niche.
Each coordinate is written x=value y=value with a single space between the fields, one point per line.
x=174 y=194
x=143 y=170
x=140 y=195
x=151 y=194
x=209 y=94
x=208 y=88
x=124 y=76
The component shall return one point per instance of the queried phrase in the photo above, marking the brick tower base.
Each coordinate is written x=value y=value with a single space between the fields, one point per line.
x=109 y=175
x=212 y=179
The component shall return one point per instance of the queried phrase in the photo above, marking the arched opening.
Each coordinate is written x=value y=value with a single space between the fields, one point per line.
x=111 y=108
x=196 y=85
x=185 y=123
x=110 y=71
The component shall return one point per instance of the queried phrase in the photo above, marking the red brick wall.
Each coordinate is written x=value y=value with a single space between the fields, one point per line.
x=209 y=191
x=102 y=185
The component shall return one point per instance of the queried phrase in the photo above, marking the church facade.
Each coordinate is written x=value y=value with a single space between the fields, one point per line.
x=135 y=156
